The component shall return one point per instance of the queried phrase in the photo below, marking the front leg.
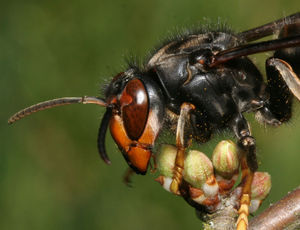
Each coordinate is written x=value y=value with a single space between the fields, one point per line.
x=283 y=71
x=282 y=83
x=182 y=141
x=249 y=165
x=280 y=69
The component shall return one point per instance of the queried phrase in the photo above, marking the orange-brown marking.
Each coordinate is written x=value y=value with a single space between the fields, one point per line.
x=139 y=157
x=201 y=61
x=118 y=133
x=134 y=127
x=138 y=152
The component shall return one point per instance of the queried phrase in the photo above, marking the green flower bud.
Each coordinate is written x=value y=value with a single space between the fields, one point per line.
x=197 y=169
x=225 y=159
x=260 y=188
x=166 y=160
x=261 y=185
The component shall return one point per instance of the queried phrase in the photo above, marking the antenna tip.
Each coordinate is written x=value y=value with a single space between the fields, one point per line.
x=107 y=161
x=11 y=120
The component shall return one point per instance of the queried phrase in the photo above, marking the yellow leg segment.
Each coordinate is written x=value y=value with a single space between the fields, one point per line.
x=247 y=178
x=178 y=170
x=181 y=144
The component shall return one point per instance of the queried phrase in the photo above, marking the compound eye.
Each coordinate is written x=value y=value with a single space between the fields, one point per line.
x=134 y=108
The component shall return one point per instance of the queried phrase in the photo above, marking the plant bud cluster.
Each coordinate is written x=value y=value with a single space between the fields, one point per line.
x=210 y=180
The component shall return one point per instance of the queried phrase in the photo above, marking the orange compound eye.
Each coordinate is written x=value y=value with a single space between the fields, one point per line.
x=134 y=108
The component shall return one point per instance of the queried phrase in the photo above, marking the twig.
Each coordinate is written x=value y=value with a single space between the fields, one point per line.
x=285 y=214
x=225 y=217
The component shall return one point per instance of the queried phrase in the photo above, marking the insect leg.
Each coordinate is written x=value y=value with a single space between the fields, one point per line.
x=282 y=82
x=269 y=28
x=249 y=165
x=282 y=71
x=285 y=71
x=182 y=138
x=287 y=44
x=254 y=48
x=286 y=62
x=127 y=176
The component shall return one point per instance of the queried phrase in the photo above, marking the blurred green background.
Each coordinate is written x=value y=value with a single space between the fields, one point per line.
x=51 y=176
